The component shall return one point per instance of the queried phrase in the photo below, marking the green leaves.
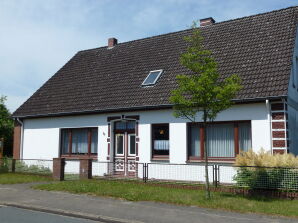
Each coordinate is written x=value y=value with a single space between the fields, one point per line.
x=201 y=90
x=6 y=125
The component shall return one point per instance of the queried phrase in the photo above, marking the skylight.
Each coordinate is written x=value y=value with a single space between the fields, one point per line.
x=152 y=77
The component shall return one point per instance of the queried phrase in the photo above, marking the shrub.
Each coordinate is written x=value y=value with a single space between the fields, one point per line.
x=4 y=165
x=266 y=171
x=266 y=159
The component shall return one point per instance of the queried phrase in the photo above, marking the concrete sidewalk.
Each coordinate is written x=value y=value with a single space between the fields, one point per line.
x=114 y=210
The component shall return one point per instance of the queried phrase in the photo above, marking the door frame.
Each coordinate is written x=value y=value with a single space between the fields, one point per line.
x=125 y=164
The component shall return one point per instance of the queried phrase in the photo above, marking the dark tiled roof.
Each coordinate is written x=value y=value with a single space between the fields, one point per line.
x=258 y=48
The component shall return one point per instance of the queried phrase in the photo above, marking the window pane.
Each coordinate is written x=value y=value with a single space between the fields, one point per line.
x=244 y=136
x=132 y=144
x=94 y=140
x=152 y=77
x=160 y=134
x=80 y=141
x=119 y=144
x=220 y=140
x=194 y=149
x=131 y=125
x=120 y=125
x=64 y=141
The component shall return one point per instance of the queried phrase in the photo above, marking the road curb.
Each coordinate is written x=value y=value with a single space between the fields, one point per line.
x=99 y=218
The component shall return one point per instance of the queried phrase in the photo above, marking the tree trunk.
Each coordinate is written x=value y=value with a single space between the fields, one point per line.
x=207 y=186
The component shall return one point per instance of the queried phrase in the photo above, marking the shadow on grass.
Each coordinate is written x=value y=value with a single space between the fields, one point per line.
x=253 y=196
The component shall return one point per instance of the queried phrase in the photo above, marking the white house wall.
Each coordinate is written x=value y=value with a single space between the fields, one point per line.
x=41 y=136
x=41 y=140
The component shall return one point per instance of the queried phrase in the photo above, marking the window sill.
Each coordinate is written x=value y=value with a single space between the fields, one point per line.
x=75 y=156
x=210 y=159
x=160 y=158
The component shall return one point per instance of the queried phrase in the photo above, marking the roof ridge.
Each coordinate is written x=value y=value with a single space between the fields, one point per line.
x=255 y=15
x=184 y=30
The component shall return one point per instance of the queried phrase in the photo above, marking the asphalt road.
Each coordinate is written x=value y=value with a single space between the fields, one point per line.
x=17 y=215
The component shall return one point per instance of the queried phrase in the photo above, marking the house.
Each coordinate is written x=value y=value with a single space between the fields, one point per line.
x=112 y=103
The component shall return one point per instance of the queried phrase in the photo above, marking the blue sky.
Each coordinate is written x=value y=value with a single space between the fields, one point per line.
x=38 y=37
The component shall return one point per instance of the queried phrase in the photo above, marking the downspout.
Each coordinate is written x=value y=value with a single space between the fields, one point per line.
x=21 y=141
x=269 y=120
x=285 y=121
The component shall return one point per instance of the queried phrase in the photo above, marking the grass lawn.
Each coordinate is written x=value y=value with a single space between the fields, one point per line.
x=145 y=192
x=16 y=178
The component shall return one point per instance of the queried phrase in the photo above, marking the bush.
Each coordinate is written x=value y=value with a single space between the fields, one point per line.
x=267 y=178
x=266 y=159
x=266 y=171
x=4 y=165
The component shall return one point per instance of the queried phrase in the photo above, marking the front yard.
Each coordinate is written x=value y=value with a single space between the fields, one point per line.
x=18 y=178
x=133 y=191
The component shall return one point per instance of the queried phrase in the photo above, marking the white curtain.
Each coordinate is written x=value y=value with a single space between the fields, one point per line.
x=161 y=144
x=220 y=140
x=194 y=141
x=79 y=141
x=64 y=135
x=244 y=136
x=94 y=140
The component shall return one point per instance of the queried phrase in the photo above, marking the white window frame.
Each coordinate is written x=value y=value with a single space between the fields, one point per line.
x=116 y=143
x=160 y=72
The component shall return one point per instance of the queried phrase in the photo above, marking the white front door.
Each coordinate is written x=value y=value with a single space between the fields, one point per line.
x=125 y=150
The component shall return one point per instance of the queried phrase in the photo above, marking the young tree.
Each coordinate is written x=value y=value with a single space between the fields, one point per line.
x=6 y=126
x=201 y=91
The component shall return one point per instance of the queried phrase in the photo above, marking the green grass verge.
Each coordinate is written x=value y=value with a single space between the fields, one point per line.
x=145 y=192
x=18 y=178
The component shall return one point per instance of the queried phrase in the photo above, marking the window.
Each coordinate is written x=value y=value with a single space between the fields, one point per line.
x=194 y=137
x=244 y=136
x=132 y=144
x=224 y=140
x=119 y=144
x=220 y=140
x=125 y=126
x=152 y=77
x=160 y=141
x=79 y=141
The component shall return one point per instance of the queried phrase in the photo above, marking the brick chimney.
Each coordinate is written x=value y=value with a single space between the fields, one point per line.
x=112 y=42
x=207 y=21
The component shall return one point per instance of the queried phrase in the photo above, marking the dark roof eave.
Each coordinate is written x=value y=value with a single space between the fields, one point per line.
x=109 y=110
x=248 y=100
x=139 y=108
